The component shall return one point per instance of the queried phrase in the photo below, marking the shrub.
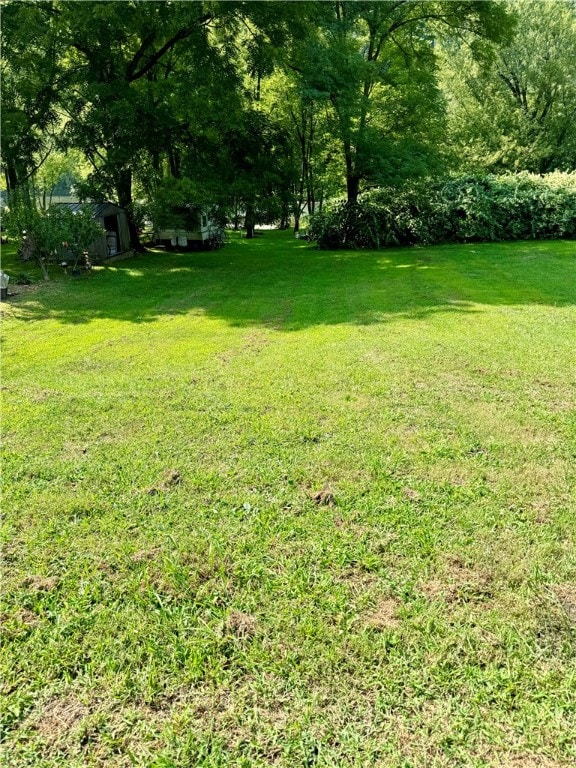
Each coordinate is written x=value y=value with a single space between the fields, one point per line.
x=49 y=236
x=454 y=210
x=356 y=226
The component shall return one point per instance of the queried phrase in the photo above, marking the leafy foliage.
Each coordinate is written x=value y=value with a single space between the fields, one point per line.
x=460 y=209
x=50 y=236
x=31 y=78
x=513 y=107
x=374 y=66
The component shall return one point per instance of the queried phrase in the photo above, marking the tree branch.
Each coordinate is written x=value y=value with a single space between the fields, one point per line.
x=146 y=43
x=168 y=45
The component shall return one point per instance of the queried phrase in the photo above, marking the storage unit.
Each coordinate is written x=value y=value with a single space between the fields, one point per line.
x=115 y=242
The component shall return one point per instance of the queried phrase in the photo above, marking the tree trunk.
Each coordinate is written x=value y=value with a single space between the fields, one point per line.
x=174 y=161
x=124 y=192
x=350 y=157
x=236 y=217
x=352 y=188
x=310 y=195
x=249 y=221
x=285 y=215
x=42 y=264
x=11 y=177
x=18 y=184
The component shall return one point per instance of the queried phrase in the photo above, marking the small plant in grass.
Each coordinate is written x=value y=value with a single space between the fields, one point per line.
x=22 y=279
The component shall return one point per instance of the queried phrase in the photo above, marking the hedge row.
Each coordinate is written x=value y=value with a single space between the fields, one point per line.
x=463 y=209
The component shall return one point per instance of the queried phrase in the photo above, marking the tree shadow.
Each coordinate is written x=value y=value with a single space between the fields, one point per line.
x=281 y=283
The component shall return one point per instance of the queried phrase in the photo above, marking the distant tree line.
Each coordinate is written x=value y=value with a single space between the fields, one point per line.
x=265 y=110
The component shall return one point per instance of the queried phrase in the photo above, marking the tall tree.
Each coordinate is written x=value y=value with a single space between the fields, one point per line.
x=57 y=174
x=268 y=33
x=150 y=92
x=303 y=116
x=376 y=65
x=255 y=168
x=116 y=53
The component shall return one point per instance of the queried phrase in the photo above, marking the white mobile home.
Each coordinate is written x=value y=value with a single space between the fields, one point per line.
x=190 y=228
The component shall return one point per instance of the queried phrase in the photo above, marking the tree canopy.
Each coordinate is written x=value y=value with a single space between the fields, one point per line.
x=267 y=109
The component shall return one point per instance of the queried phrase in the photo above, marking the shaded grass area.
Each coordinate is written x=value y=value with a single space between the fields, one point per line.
x=279 y=506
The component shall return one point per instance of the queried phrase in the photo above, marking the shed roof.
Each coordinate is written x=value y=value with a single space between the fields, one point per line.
x=98 y=209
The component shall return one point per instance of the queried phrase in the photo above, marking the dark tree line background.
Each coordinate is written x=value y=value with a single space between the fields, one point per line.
x=264 y=110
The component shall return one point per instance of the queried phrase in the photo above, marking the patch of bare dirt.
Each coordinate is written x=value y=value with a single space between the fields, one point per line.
x=325 y=497
x=59 y=717
x=241 y=625
x=144 y=555
x=205 y=571
x=105 y=438
x=27 y=618
x=358 y=581
x=460 y=583
x=41 y=583
x=384 y=616
x=43 y=394
x=541 y=509
x=566 y=594
x=438 y=590
x=74 y=451
x=18 y=624
x=255 y=342
x=10 y=552
x=527 y=761
x=170 y=479
x=108 y=568
x=411 y=494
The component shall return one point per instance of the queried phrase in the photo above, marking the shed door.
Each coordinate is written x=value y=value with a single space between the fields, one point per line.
x=111 y=224
x=112 y=235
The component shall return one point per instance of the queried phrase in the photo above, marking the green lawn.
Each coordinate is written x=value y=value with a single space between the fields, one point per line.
x=274 y=506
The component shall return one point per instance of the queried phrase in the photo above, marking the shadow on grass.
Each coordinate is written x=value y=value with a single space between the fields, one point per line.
x=278 y=282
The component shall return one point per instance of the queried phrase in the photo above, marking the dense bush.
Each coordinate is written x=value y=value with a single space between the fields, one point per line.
x=462 y=209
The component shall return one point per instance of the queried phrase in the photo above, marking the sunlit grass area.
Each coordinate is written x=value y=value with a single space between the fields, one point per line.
x=275 y=506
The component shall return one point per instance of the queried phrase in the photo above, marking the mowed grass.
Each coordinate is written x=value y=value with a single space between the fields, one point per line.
x=274 y=506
